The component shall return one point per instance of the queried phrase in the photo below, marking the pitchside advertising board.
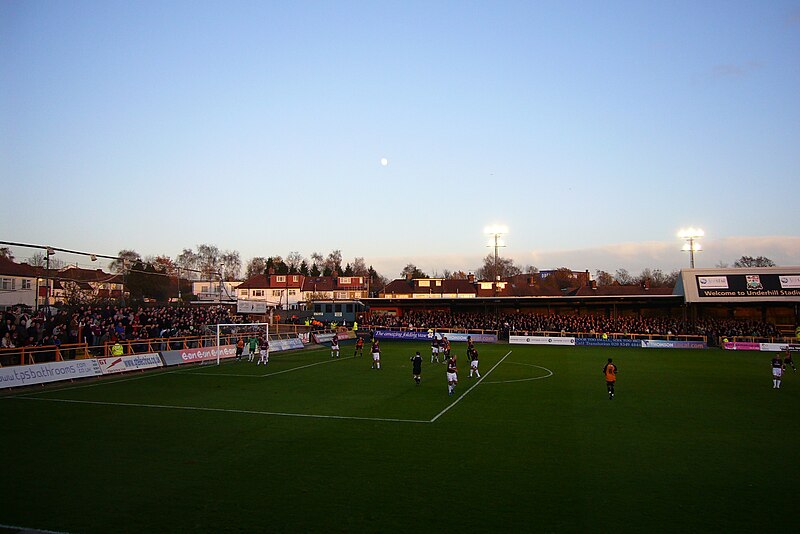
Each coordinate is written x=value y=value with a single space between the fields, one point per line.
x=594 y=342
x=40 y=373
x=762 y=347
x=179 y=357
x=427 y=336
x=748 y=285
x=121 y=364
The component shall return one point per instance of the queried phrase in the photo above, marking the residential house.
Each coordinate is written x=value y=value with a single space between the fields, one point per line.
x=18 y=283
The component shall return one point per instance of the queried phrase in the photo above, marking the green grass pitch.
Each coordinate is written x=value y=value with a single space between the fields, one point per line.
x=694 y=441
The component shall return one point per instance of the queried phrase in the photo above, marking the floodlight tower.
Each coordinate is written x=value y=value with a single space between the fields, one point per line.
x=496 y=232
x=690 y=235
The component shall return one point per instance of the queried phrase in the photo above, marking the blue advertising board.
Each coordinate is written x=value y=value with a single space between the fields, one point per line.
x=594 y=342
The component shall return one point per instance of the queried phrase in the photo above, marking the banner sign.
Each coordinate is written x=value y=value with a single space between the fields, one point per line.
x=741 y=346
x=405 y=336
x=40 y=373
x=323 y=338
x=477 y=338
x=251 y=306
x=749 y=285
x=594 y=342
x=277 y=345
x=665 y=344
x=541 y=340
x=763 y=347
x=178 y=357
x=120 y=364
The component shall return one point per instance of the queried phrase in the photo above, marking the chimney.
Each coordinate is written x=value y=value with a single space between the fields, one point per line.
x=593 y=284
x=471 y=278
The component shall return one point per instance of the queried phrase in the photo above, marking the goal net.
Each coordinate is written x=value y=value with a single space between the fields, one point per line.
x=226 y=336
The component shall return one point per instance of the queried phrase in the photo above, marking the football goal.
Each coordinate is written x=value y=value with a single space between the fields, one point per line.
x=227 y=335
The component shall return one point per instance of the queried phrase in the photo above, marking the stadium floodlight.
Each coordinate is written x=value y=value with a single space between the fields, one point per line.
x=690 y=235
x=495 y=232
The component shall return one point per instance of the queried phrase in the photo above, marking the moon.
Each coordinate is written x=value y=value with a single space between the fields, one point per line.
x=384 y=162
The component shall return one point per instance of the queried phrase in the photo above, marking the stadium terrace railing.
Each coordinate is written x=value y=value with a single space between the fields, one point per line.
x=41 y=354
x=611 y=335
x=56 y=353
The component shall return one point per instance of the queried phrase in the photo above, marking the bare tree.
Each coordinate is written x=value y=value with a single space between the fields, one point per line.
x=257 y=265
x=6 y=253
x=624 y=278
x=233 y=264
x=293 y=261
x=603 y=278
x=189 y=262
x=749 y=261
x=125 y=258
x=505 y=268
x=334 y=261
x=412 y=271
x=38 y=259
x=359 y=267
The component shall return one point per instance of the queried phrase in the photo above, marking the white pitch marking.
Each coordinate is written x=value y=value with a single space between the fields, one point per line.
x=470 y=389
x=524 y=379
x=32 y=530
x=226 y=410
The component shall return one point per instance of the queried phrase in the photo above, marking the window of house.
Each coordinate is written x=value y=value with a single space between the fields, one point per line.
x=277 y=292
x=258 y=292
x=344 y=279
x=26 y=283
x=424 y=283
x=292 y=292
x=295 y=278
x=281 y=279
x=8 y=284
x=349 y=308
x=328 y=308
x=337 y=308
x=317 y=308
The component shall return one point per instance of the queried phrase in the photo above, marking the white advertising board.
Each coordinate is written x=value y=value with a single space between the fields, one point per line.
x=120 y=364
x=541 y=340
x=40 y=373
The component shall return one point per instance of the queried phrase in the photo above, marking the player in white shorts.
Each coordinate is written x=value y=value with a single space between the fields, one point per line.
x=376 y=354
x=777 y=372
x=452 y=375
x=335 y=346
x=264 y=352
x=473 y=363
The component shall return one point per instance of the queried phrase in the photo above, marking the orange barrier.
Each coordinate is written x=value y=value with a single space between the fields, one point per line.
x=40 y=354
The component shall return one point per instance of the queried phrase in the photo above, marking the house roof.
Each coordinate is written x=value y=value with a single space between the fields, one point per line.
x=12 y=268
x=77 y=274
x=258 y=281
x=318 y=283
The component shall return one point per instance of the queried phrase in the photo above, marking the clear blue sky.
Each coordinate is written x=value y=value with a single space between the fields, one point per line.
x=593 y=130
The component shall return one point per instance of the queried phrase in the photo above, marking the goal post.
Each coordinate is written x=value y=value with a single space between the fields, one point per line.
x=230 y=333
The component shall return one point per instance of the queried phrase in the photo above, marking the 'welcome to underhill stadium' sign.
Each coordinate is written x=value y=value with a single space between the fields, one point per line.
x=748 y=285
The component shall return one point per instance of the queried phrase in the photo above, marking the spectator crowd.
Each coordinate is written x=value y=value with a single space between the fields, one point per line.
x=97 y=325
x=529 y=323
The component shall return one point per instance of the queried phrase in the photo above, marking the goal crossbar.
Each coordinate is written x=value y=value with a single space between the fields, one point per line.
x=240 y=330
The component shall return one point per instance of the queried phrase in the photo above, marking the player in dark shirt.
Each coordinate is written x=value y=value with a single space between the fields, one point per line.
x=359 y=347
x=777 y=371
x=452 y=375
x=787 y=360
x=610 y=372
x=416 y=364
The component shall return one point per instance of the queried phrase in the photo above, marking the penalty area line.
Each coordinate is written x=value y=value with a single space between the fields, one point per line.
x=226 y=410
x=437 y=416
